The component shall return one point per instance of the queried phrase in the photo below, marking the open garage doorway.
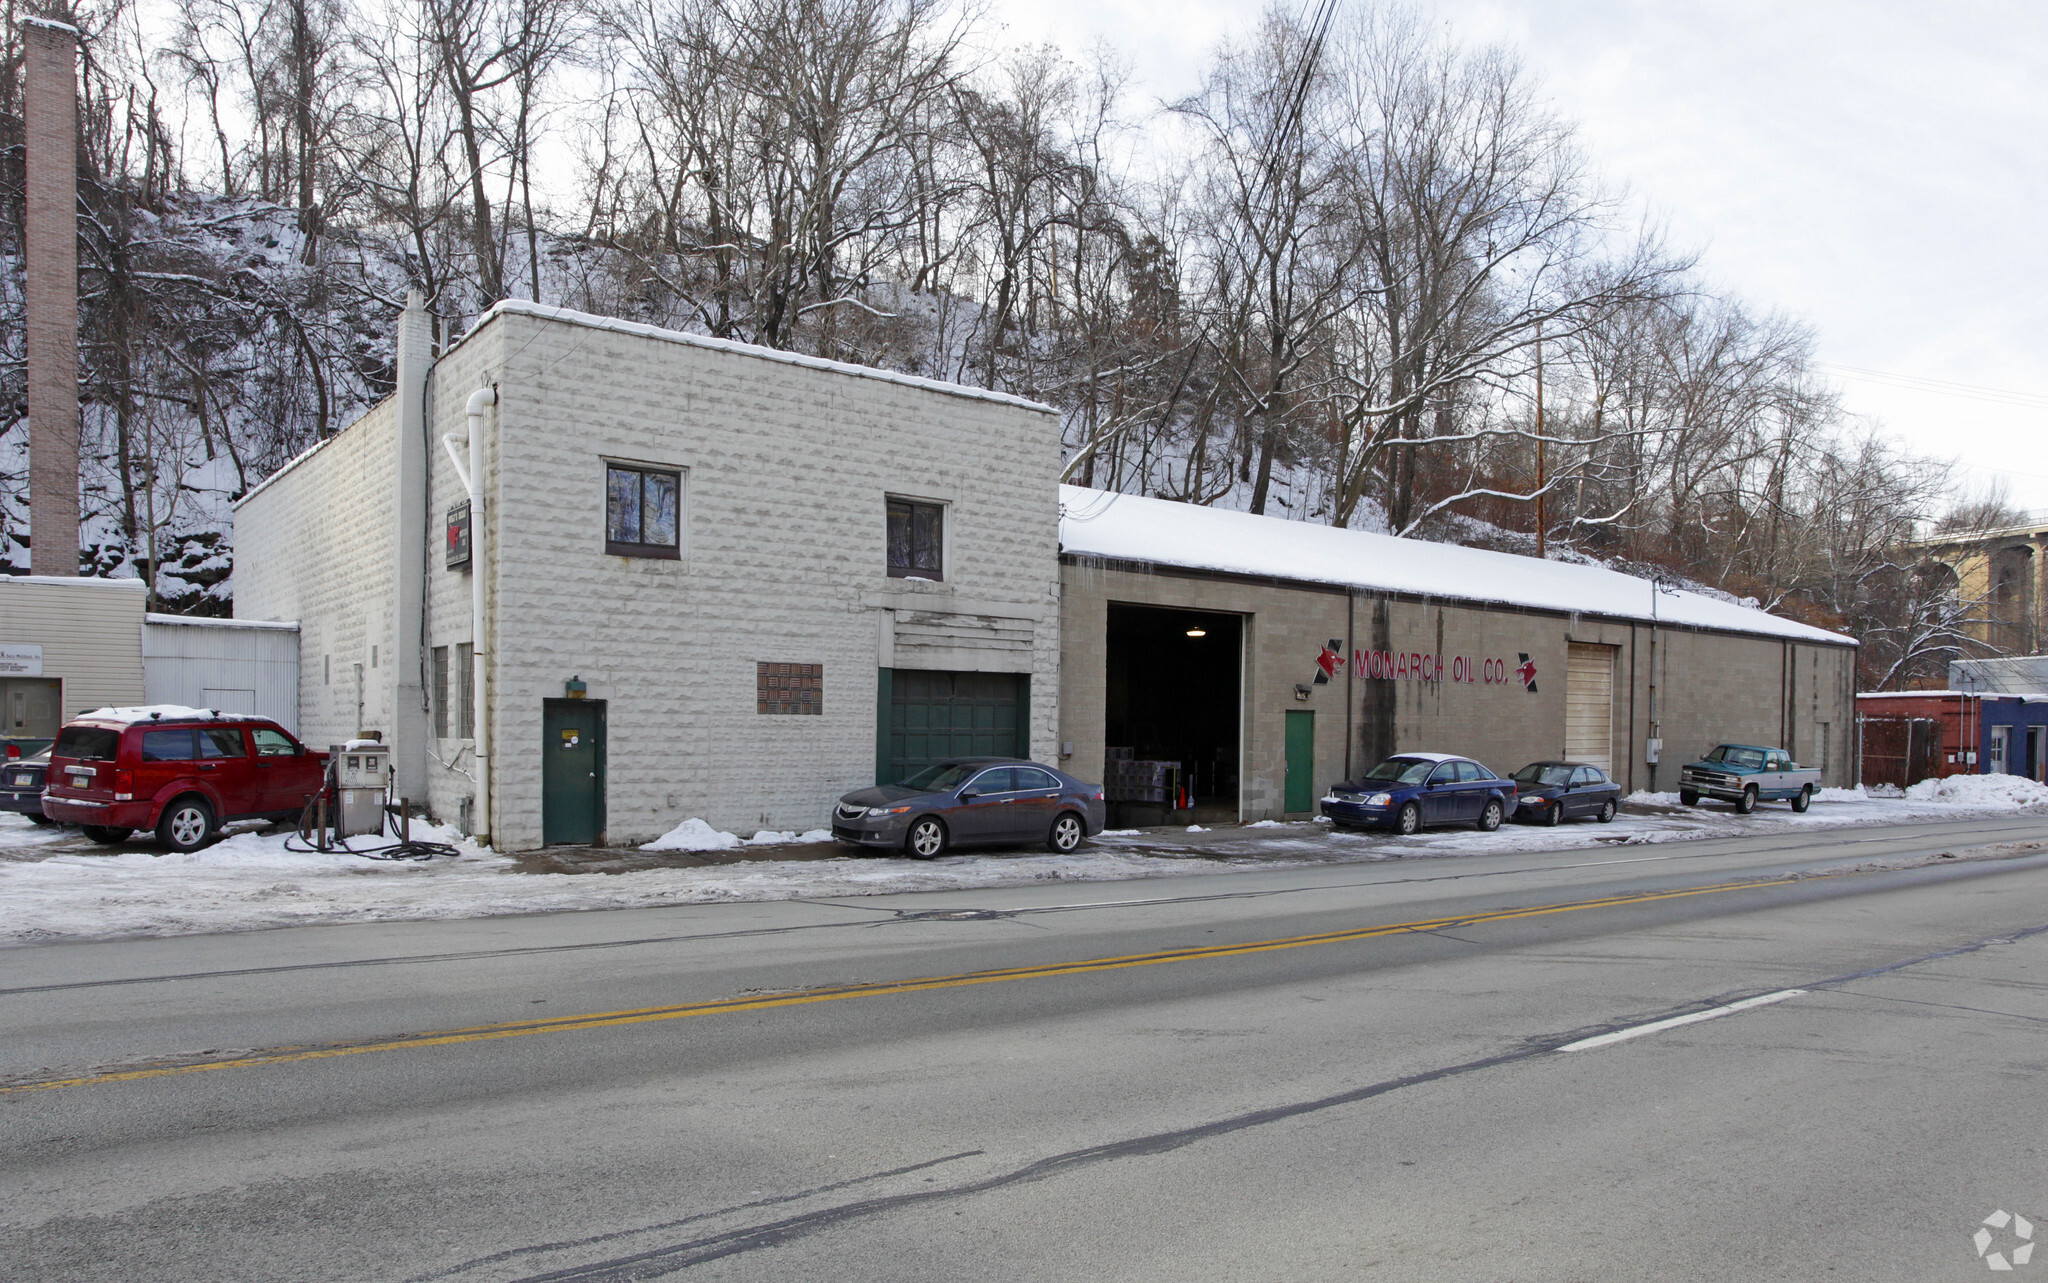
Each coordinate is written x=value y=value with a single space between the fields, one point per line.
x=1174 y=712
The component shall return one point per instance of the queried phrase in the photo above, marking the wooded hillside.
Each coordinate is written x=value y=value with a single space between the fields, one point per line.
x=1365 y=276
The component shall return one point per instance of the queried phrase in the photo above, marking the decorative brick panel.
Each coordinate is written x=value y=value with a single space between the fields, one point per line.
x=789 y=688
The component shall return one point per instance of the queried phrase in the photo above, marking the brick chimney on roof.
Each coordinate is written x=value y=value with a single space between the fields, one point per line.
x=50 y=119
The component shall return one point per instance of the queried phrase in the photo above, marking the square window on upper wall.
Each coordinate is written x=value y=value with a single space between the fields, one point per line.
x=643 y=511
x=916 y=539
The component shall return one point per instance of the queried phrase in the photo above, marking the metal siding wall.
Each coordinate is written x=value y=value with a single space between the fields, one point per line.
x=90 y=631
x=183 y=661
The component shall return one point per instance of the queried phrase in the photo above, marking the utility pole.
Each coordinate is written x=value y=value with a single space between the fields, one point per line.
x=1542 y=521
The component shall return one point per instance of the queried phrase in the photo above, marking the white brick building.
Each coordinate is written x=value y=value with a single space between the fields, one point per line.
x=698 y=532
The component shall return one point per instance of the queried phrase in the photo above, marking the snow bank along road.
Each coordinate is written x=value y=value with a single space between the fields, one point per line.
x=55 y=885
x=1329 y=1071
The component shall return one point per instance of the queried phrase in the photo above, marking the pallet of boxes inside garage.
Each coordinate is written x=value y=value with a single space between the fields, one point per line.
x=1128 y=780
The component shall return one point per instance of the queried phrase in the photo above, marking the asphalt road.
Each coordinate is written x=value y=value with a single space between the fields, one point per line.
x=1339 y=1072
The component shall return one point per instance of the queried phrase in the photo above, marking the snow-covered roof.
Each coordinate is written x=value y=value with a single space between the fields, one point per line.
x=209 y=621
x=73 y=581
x=521 y=307
x=1096 y=523
x=2026 y=697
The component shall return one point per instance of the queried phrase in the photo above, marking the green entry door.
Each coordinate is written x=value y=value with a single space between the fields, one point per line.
x=928 y=716
x=572 y=771
x=1301 y=762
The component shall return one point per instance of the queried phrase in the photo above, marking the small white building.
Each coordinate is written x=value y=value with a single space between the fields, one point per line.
x=66 y=645
x=707 y=579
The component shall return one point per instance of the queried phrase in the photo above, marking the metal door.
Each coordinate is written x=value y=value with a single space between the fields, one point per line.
x=1440 y=796
x=988 y=816
x=1032 y=805
x=224 y=757
x=1301 y=762
x=928 y=716
x=572 y=772
x=1589 y=704
x=30 y=708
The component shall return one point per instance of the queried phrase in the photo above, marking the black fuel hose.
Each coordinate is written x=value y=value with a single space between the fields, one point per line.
x=403 y=849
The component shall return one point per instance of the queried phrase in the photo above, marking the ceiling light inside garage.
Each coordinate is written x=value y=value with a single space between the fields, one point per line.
x=1198 y=632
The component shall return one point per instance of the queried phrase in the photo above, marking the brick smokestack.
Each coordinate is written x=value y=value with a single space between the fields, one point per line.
x=50 y=120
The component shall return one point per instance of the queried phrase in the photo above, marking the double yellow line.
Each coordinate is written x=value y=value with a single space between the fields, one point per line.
x=724 y=1006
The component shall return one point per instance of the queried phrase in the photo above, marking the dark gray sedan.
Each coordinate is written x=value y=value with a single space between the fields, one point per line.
x=972 y=801
x=21 y=786
x=1553 y=791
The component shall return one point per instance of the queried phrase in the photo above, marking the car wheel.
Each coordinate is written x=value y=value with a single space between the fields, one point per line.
x=185 y=825
x=1607 y=811
x=926 y=839
x=1747 y=802
x=1804 y=800
x=1551 y=815
x=1066 y=834
x=105 y=836
x=37 y=818
x=1489 y=815
x=1688 y=799
x=1410 y=818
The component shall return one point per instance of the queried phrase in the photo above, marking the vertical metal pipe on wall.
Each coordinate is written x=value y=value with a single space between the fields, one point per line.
x=471 y=473
x=411 y=454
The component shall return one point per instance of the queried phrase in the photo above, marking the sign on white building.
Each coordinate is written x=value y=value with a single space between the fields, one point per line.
x=18 y=659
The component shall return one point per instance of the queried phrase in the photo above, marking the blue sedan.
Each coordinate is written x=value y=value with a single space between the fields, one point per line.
x=1411 y=790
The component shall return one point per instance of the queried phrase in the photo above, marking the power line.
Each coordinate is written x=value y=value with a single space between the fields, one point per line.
x=1939 y=387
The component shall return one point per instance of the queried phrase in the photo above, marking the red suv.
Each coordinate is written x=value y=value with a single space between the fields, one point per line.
x=182 y=772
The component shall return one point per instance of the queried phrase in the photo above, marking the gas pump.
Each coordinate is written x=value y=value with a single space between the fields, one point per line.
x=359 y=776
x=355 y=802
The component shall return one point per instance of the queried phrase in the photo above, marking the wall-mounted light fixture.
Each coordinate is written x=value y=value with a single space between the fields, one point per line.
x=1198 y=632
x=1301 y=692
x=575 y=688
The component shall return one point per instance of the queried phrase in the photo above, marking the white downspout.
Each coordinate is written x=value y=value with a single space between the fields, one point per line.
x=472 y=481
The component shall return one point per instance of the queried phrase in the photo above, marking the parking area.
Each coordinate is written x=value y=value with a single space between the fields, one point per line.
x=55 y=885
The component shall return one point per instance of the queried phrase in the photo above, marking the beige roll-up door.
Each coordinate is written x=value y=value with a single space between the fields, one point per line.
x=1589 y=705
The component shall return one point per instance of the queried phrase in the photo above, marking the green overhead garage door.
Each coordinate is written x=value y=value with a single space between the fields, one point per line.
x=926 y=717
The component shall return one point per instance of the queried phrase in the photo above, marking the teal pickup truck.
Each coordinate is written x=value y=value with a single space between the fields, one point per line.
x=1745 y=775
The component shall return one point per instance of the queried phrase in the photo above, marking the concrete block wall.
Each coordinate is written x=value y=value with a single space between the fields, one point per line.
x=1284 y=632
x=1717 y=686
x=786 y=472
x=313 y=545
x=472 y=364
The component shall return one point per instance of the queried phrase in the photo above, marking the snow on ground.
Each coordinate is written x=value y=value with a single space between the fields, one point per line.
x=694 y=834
x=1984 y=791
x=1929 y=799
x=54 y=885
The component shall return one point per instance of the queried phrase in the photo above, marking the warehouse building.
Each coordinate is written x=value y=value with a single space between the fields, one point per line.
x=1218 y=665
x=66 y=645
x=591 y=578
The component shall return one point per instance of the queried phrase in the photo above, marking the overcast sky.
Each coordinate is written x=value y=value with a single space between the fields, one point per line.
x=1877 y=170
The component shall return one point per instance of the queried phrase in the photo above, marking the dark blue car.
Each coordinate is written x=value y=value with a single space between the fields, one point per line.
x=1411 y=790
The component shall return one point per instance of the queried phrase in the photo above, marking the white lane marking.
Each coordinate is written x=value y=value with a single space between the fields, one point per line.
x=1659 y=1026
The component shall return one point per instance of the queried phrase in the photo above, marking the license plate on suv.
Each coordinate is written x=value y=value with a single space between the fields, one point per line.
x=24 y=780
